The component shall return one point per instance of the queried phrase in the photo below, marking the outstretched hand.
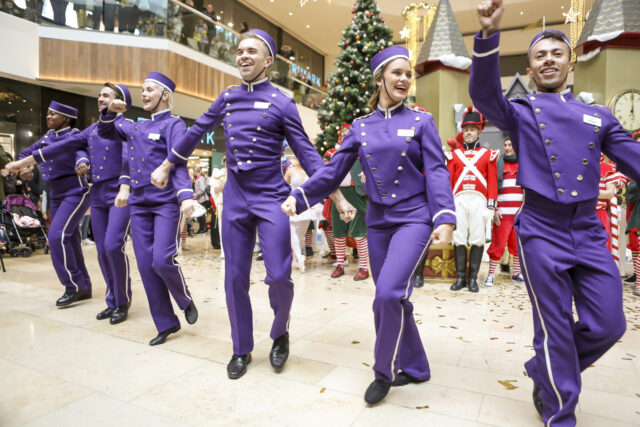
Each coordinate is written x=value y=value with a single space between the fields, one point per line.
x=489 y=15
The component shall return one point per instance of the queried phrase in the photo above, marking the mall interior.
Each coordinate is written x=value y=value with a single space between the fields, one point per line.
x=62 y=367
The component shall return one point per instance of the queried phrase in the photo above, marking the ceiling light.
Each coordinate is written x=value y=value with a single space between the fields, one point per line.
x=308 y=26
x=230 y=24
x=521 y=13
x=290 y=13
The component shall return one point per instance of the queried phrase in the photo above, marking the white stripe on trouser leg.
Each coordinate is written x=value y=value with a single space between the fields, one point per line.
x=64 y=252
x=126 y=261
x=173 y=259
x=547 y=357
x=406 y=296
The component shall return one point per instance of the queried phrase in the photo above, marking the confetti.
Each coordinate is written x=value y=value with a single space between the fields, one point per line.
x=365 y=364
x=508 y=384
x=493 y=338
x=355 y=342
x=422 y=407
x=322 y=389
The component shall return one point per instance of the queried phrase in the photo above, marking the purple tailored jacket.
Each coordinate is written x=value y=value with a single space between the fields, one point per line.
x=256 y=118
x=146 y=147
x=60 y=172
x=395 y=147
x=104 y=155
x=558 y=139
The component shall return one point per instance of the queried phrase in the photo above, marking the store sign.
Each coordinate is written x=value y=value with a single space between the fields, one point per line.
x=306 y=75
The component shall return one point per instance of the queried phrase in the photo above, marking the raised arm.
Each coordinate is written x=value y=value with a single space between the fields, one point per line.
x=485 y=87
x=620 y=147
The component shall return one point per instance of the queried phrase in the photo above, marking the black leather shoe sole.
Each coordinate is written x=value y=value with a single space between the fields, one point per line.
x=162 y=336
x=376 y=391
x=237 y=367
x=191 y=313
x=105 y=314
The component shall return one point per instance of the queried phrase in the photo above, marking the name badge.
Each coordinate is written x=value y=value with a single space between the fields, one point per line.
x=595 y=121
x=154 y=136
x=261 y=105
x=406 y=132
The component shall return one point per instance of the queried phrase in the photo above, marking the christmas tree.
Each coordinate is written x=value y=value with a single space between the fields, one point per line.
x=352 y=84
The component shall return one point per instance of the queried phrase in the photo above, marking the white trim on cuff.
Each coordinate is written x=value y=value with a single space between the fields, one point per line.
x=304 y=196
x=179 y=155
x=124 y=176
x=442 y=212
x=81 y=158
x=41 y=156
x=483 y=54
x=184 y=189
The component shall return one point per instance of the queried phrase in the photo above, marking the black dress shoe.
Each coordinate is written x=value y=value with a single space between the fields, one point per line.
x=473 y=285
x=191 y=313
x=119 y=314
x=376 y=391
x=404 y=379
x=238 y=366
x=162 y=336
x=105 y=314
x=71 y=297
x=279 y=352
x=631 y=279
x=309 y=251
x=537 y=400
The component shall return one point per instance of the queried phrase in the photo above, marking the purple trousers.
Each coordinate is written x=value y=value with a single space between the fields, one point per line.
x=65 y=242
x=252 y=200
x=155 y=233
x=110 y=226
x=395 y=253
x=564 y=258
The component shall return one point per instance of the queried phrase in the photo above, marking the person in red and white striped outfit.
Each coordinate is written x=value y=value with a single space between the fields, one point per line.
x=609 y=178
x=633 y=227
x=509 y=202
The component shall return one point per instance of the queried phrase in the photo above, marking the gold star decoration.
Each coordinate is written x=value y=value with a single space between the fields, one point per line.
x=404 y=33
x=570 y=16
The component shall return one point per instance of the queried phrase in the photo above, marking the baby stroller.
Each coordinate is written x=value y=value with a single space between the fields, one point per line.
x=23 y=226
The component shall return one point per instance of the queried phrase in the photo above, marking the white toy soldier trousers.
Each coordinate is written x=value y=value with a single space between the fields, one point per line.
x=471 y=210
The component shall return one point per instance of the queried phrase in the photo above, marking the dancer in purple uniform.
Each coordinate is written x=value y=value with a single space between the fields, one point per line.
x=103 y=157
x=69 y=202
x=155 y=213
x=407 y=211
x=256 y=117
x=562 y=243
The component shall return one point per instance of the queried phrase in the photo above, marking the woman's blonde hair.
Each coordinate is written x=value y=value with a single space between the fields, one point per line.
x=375 y=98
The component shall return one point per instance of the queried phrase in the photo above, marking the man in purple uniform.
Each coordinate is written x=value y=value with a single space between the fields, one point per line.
x=256 y=117
x=69 y=202
x=561 y=242
x=109 y=224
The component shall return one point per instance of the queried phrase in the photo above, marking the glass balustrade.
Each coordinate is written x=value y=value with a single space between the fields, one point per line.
x=172 y=19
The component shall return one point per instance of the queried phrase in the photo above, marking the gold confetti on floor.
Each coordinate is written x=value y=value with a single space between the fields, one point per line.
x=422 y=407
x=508 y=384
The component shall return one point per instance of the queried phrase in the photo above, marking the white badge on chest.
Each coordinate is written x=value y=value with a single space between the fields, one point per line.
x=261 y=105
x=406 y=132
x=154 y=136
x=591 y=120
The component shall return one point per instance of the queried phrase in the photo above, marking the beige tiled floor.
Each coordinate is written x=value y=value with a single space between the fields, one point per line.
x=64 y=368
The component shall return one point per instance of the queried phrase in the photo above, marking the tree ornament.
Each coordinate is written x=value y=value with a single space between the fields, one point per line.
x=371 y=14
x=357 y=38
x=346 y=43
x=364 y=85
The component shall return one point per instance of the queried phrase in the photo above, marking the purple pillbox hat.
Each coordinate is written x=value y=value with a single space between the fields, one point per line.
x=162 y=80
x=387 y=55
x=266 y=38
x=545 y=34
x=64 y=110
x=125 y=93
